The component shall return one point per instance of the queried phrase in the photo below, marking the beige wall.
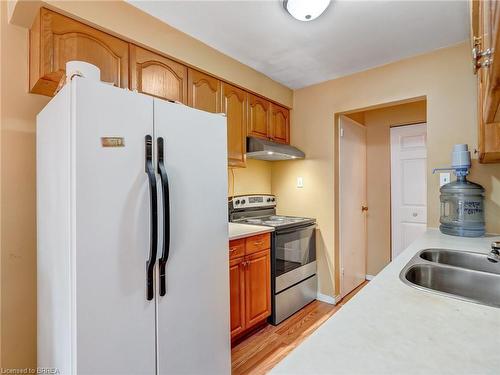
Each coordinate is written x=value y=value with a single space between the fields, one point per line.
x=254 y=179
x=443 y=76
x=18 y=238
x=378 y=177
x=18 y=219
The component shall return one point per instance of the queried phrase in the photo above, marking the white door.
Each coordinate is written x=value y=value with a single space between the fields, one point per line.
x=352 y=204
x=193 y=315
x=408 y=185
x=115 y=322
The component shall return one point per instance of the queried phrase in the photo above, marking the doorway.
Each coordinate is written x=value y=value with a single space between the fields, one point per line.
x=408 y=185
x=363 y=218
x=352 y=158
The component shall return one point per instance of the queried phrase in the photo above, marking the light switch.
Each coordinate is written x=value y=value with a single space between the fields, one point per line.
x=444 y=178
x=300 y=182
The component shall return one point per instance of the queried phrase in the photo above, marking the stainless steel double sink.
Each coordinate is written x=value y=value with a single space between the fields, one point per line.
x=464 y=275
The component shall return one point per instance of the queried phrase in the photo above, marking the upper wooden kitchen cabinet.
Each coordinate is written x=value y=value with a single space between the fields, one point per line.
x=258 y=117
x=280 y=124
x=485 y=21
x=56 y=39
x=204 y=92
x=234 y=105
x=268 y=120
x=154 y=74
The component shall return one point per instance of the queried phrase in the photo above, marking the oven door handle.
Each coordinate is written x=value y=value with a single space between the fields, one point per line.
x=295 y=229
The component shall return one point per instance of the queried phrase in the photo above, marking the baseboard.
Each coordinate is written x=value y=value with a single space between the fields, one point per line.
x=369 y=277
x=328 y=299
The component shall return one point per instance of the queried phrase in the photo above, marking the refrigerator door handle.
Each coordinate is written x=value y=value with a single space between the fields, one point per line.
x=154 y=218
x=166 y=216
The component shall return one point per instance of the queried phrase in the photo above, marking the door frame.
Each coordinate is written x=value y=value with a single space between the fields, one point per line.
x=339 y=209
x=335 y=260
x=392 y=179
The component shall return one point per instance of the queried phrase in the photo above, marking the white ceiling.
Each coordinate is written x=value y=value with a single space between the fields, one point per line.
x=349 y=37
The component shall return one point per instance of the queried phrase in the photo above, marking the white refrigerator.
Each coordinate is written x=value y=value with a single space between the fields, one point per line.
x=133 y=273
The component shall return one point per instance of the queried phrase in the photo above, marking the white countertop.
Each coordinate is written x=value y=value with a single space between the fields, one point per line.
x=392 y=328
x=237 y=230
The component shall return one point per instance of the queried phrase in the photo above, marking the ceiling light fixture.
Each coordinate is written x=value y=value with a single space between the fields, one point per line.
x=305 y=10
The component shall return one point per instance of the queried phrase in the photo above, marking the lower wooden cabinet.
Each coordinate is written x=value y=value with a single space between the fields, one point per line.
x=257 y=287
x=237 y=293
x=250 y=284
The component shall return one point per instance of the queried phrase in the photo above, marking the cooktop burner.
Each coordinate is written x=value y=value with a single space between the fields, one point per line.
x=274 y=221
x=261 y=210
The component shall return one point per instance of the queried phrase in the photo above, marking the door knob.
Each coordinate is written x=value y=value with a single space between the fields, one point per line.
x=364 y=208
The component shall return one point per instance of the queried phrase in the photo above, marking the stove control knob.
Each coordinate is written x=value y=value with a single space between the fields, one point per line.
x=269 y=199
x=237 y=202
x=242 y=201
x=272 y=199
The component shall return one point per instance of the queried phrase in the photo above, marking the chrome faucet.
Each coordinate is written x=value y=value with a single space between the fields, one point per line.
x=494 y=255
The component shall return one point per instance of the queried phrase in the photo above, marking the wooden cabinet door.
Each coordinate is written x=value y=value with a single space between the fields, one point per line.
x=258 y=117
x=485 y=43
x=491 y=74
x=234 y=105
x=154 y=74
x=280 y=124
x=204 y=91
x=485 y=21
x=257 y=287
x=56 y=39
x=237 y=296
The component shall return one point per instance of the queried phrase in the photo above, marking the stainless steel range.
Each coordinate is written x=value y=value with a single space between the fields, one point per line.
x=293 y=252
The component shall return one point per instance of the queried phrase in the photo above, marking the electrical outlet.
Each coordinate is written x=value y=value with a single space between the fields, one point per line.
x=444 y=178
x=300 y=182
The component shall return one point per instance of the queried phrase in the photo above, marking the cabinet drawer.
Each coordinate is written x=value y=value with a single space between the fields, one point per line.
x=236 y=248
x=258 y=243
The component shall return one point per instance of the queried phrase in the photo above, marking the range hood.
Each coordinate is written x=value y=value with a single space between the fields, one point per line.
x=264 y=149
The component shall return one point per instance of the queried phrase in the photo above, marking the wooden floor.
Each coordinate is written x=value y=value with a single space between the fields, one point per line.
x=262 y=351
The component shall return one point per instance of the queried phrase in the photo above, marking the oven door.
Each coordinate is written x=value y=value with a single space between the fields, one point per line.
x=294 y=256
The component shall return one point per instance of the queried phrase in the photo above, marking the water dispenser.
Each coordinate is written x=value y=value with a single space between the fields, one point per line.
x=462 y=201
